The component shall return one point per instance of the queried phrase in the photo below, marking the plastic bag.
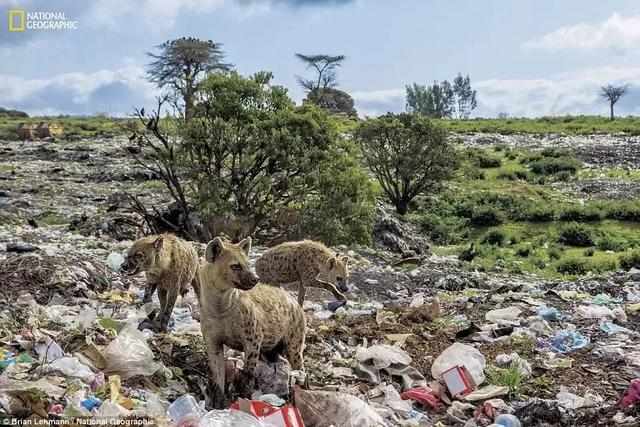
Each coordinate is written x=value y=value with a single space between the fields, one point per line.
x=567 y=341
x=383 y=355
x=129 y=355
x=230 y=418
x=424 y=395
x=70 y=367
x=504 y=316
x=460 y=355
x=594 y=312
x=115 y=261
x=325 y=408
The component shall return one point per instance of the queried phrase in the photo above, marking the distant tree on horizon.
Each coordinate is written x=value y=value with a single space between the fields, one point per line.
x=613 y=94
x=181 y=65
x=321 y=90
x=442 y=100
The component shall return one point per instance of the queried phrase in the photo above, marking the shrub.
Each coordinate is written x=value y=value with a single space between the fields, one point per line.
x=512 y=173
x=572 y=266
x=486 y=215
x=612 y=243
x=481 y=158
x=555 y=251
x=553 y=165
x=407 y=153
x=580 y=214
x=603 y=266
x=589 y=252
x=523 y=250
x=538 y=214
x=575 y=234
x=622 y=211
x=443 y=231
x=630 y=260
x=494 y=237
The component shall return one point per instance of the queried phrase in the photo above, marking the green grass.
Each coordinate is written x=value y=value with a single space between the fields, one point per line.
x=52 y=220
x=505 y=377
x=626 y=174
x=575 y=125
x=520 y=225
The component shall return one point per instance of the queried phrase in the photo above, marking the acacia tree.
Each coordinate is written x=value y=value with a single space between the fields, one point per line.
x=321 y=90
x=408 y=155
x=613 y=94
x=464 y=95
x=181 y=65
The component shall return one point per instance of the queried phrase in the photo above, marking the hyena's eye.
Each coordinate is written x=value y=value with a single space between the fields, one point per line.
x=236 y=267
x=339 y=278
x=138 y=255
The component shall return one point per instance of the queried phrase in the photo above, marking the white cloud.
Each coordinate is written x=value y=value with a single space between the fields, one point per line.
x=617 y=34
x=575 y=92
x=116 y=91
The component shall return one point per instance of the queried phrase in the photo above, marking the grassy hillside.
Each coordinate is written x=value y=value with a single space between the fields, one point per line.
x=577 y=125
x=73 y=126
x=501 y=200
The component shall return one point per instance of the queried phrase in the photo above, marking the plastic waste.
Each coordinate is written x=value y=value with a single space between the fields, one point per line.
x=184 y=406
x=230 y=418
x=487 y=392
x=383 y=355
x=424 y=395
x=129 y=355
x=273 y=378
x=460 y=355
x=70 y=367
x=507 y=420
x=611 y=328
x=567 y=341
x=271 y=399
x=325 y=408
x=49 y=350
x=90 y=403
x=110 y=410
x=594 y=312
x=573 y=401
x=514 y=360
x=632 y=396
x=551 y=314
x=97 y=382
x=393 y=400
x=504 y=316
x=115 y=261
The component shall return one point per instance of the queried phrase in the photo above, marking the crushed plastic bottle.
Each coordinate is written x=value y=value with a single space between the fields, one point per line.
x=115 y=261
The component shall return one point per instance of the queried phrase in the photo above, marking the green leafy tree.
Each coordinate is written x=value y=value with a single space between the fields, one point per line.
x=333 y=101
x=464 y=95
x=250 y=152
x=437 y=100
x=182 y=63
x=408 y=155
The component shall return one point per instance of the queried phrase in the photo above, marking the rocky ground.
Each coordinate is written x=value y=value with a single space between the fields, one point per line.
x=66 y=316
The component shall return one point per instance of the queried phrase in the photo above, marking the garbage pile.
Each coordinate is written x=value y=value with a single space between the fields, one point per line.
x=420 y=342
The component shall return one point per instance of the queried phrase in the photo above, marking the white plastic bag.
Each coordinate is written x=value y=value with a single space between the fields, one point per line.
x=504 y=316
x=70 y=367
x=129 y=355
x=383 y=355
x=230 y=418
x=325 y=408
x=460 y=355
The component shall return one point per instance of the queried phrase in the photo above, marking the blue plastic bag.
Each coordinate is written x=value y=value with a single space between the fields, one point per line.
x=567 y=341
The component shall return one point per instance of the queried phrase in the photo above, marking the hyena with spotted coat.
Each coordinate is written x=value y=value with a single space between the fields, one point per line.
x=307 y=262
x=239 y=312
x=170 y=264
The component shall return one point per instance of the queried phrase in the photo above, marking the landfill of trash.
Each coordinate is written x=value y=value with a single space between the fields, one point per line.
x=420 y=341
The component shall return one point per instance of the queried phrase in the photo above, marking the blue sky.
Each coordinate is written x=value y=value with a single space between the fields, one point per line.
x=526 y=58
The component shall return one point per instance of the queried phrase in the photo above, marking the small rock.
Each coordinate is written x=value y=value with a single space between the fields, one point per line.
x=20 y=247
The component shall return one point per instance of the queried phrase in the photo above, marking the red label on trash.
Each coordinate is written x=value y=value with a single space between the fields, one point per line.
x=286 y=416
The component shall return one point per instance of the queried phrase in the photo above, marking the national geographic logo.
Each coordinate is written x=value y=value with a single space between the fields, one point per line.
x=20 y=20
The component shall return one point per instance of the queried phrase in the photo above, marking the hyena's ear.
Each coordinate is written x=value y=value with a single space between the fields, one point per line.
x=245 y=245
x=214 y=249
x=331 y=263
x=158 y=243
x=344 y=259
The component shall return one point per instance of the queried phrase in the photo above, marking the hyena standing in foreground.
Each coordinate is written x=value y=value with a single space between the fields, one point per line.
x=169 y=264
x=242 y=314
x=307 y=262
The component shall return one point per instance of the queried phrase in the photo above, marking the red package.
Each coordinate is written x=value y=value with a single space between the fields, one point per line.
x=424 y=395
x=458 y=381
x=285 y=416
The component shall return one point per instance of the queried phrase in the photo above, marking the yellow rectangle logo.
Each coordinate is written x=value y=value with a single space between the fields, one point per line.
x=16 y=20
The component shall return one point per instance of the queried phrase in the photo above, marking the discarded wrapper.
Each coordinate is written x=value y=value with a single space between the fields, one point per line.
x=285 y=416
x=458 y=380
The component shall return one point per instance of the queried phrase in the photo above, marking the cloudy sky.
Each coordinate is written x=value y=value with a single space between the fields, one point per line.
x=525 y=58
